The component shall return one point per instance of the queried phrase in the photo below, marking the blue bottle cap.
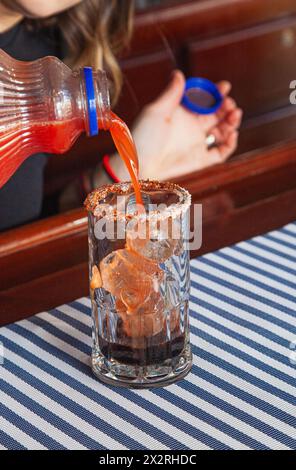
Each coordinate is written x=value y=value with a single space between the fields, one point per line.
x=201 y=96
x=91 y=102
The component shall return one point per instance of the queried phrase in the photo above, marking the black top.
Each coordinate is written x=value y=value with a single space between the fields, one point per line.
x=21 y=197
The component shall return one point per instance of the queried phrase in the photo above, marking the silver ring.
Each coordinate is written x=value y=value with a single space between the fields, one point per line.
x=211 y=140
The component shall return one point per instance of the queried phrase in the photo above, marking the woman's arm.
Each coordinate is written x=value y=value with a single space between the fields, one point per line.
x=172 y=141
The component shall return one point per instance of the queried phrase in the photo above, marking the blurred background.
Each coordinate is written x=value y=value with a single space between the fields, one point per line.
x=148 y=3
x=251 y=43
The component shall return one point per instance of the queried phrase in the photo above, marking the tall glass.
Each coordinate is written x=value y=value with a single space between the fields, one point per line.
x=139 y=284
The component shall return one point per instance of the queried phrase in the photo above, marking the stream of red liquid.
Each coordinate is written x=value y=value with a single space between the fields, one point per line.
x=126 y=148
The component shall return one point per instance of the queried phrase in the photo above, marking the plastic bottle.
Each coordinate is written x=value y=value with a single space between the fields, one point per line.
x=45 y=106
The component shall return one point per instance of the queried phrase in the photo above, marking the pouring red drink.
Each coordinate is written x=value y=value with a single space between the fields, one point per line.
x=44 y=107
x=139 y=286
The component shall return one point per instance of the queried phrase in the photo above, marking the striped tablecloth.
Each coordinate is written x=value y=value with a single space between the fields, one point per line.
x=241 y=393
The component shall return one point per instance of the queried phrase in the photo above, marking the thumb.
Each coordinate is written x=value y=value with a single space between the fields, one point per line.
x=172 y=95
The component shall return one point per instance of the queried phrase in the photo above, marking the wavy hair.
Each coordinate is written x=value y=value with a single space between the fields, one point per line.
x=95 y=31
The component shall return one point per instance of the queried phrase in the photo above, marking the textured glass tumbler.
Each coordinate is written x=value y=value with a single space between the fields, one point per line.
x=139 y=284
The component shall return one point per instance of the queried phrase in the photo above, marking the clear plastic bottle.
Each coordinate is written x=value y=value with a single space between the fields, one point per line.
x=45 y=106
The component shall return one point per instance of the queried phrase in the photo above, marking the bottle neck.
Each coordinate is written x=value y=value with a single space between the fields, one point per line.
x=96 y=99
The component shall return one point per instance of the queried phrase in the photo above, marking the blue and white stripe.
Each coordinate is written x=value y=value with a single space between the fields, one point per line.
x=240 y=394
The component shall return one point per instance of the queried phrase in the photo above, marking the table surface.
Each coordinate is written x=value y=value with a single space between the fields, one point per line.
x=239 y=395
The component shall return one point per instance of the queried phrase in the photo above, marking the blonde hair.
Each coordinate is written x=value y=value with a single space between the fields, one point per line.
x=94 y=31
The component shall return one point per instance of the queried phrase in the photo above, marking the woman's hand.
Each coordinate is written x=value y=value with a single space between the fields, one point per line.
x=171 y=140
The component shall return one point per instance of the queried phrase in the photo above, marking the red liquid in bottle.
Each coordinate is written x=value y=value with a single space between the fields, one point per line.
x=17 y=144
